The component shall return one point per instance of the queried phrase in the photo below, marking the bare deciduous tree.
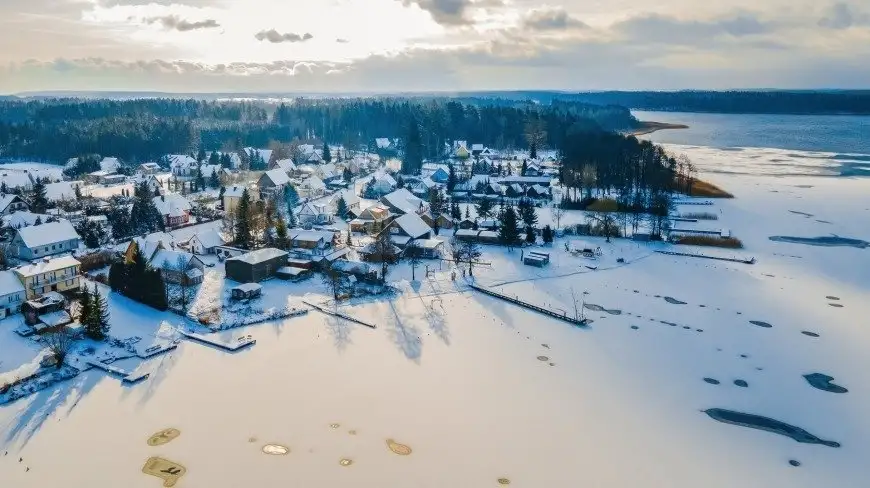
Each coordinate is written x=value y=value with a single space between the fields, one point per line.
x=557 y=212
x=59 y=344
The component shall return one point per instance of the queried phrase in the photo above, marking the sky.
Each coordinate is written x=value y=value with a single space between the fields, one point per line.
x=431 y=45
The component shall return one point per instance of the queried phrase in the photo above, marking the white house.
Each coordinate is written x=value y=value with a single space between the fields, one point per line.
x=182 y=164
x=206 y=241
x=384 y=183
x=148 y=168
x=62 y=190
x=43 y=240
x=178 y=266
x=412 y=226
x=402 y=201
x=11 y=203
x=311 y=187
x=273 y=181
x=286 y=165
x=174 y=208
x=11 y=294
x=314 y=214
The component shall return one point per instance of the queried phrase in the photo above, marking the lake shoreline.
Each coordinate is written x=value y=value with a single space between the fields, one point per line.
x=648 y=127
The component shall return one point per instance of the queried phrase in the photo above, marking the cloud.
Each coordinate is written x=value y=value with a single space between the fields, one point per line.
x=669 y=30
x=841 y=16
x=275 y=37
x=452 y=13
x=174 y=22
x=551 y=20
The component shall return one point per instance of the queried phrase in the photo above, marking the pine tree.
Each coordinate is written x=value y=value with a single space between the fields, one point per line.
x=527 y=213
x=226 y=161
x=455 y=211
x=327 y=157
x=530 y=234
x=291 y=197
x=291 y=219
x=468 y=212
x=98 y=326
x=413 y=160
x=244 y=234
x=547 y=234
x=86 y=309
x=508 y=232
x=213 y=180
x=200 y=156
x=451 y=179
x=39 y=201
x=214 y=158
x=533 y=150
x=484 y=208
x=524 y=168
x=117 y=276
x=155 y=292
x=341 y=207
x=281 y=234
x=200 y=179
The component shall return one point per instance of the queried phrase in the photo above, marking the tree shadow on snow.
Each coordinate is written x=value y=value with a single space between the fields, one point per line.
x=44 y=404
x=435 y=313
x=404 y=334
x=340 y=330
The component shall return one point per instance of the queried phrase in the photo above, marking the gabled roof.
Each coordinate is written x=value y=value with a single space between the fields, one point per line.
x=477 y=147
x=375 y=212
x=9 y=283
x=313 y=183
x=309 y=208
x=382 y=142
x=286 y=165
x=234 y=191
x=172 y=204
x=40 y=235
x=181 y=160
x=412 y=225
x=110 y=164
x=7 y=199
x=402 y=200
x=310 y=235
x=47 y=265
x=210 y=238
x=260 y=256
x=278 y=177
x=23 y=218
x=166 y=258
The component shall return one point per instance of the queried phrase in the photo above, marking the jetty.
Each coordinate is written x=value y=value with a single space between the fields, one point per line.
x=561 y=315
x=338 y=314
x=227 y=345
x=126 y=377
x=707 y=256
x=157 y=349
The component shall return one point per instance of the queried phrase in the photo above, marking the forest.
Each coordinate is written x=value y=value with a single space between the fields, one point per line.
x=53 y=130
x=833 y=102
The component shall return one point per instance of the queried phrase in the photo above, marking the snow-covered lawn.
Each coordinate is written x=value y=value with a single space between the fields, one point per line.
x=482 y=390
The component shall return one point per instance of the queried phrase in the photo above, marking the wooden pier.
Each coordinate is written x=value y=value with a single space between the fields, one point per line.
x=338 y=314
x=126 y=377
x=231 y=345
x=546 y=311
x=157 y=349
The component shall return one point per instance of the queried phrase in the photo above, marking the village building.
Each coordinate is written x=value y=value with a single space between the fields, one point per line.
x=233 y=195
x=11 y=294
x=311 y=187
x=178 y=267
x=314 y=214
x=383 y=183
x=360 y=271
x=273 y=181
x=11 y=203
x=372 y=219
x=148 y=169
x=205 y=242
x=147 y=245
x=173 y=208
x=315 y=242
x=49 y=239
x=402 y=201
x=286 y=165
x=411 y=226
x=50 y=274
x=255 y=266
x=426 y=248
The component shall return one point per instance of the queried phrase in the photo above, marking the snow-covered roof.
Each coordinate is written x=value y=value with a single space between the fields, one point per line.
x=248 y=287
x=540 y=189
x=40 y=235
x=54 y=319
x=149 y=166
x=428 y=243
x=208 y=169
x=23 y=218
x=382 y=142
x=355 y=267
x=385 y=178
x=403 y=200
x=210 y=238
x=286 y=164
x=6 y=200
x=278 y=177
x=150 y=243
x=309 y=208
x=525 y=180
x=47 y=265
x=234 y=191
x=266 y=154
x=313 y=183
x=167 y=258
x=172 y=204
x=310 y=235
x=412 y=225
x=516 y=188
x=477 y=147
x=110 y=164
x=350 y=198
x=15 y=179
x=62 y=190
x=181 y=160
x=260 y=255
x=9 y=283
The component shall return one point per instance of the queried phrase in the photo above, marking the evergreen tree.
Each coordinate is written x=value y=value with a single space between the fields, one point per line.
x=200 y=179
x=451 y=179
x=524 y=168
x=413 y=160
x=244 y=232
x=533 y=150
x=38 y=221
x=86 y=309
x=468 y=212
x=281 y=239
x=291 y=198
x=117 y=276
x=291 y=219
x=400 y=182
x=547 y=234
x=200 y=156
x=530 y=234
x=213 y=158
x=98 y=326
x=455 y=211
x=214 y=181
x=39 y=201
x=226 y=161
x=484 y=208
x=346 y=175
x=508 y=232
x=341 y=207
x=155 y=290
x=527 y=213
x=327 y=157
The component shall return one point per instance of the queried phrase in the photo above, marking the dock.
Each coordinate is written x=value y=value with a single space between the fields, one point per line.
x=707 y=256
x=157 y=349
x=692 y=202
x=338 y=314
x=226 y=345
x=126 y=377
x=561 y=315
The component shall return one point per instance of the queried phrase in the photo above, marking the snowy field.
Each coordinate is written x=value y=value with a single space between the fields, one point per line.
x=481 y=390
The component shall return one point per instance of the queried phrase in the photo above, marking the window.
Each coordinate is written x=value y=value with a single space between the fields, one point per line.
x=46 y=248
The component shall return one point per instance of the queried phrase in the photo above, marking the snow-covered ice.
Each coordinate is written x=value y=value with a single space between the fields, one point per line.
x=457 y=376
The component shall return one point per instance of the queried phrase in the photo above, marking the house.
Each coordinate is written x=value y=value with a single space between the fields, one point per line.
x=174 y=208
x=526 y=181
x=206 y=241
x=514 y=190
x=372 y=220
x=314 y=214
x=477 y=150
x=183 y=165
x=273 y=181
x=532 y=170
x=420 y=186
x=440 y=175
x=482 y=236
x=11 y=294
x=412 y=226
x=383 y=183
x=402 y=201
x=178 y=267
x=368 y=253
x=208 y=169
x=18 y=220
x=351 y=200
x=255 y=266
x=60 y=191
x=46 y=312
x=43 y=240
x=460 y=150
x=313 y=241
x=311 y=187
x=443 y=222
x=233 y=195
x=49 y=274
x=309 y=154
x=148 y=245
x=112 y=179
x=12 y=179
x=148 y=169
x=426 y=248
x=11 y=203
x=246 y=291
x=286 y=165
x=465 y=224
x=538 y=191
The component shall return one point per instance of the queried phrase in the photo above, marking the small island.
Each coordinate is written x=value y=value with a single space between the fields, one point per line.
x=644 y=128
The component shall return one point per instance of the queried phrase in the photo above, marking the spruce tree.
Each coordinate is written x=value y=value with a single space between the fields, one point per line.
x=413 y=160
x=530 y=234
x=200 y=179
x=547 y=234
x=244 y=234
x=213 y=180
x=98 y=325
x=451 y=179
x=327 y=157
x=214 y=158
x=508 y=232
x=291 y=197
x=455 y=211
x=533 y=150
x=117 y=276
x=281 y=234
x=200 y=156
x=524 y=168
x=39 y=201
x=341 y=207
x=484 y=208
x=86 y=309
x=527 y=213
